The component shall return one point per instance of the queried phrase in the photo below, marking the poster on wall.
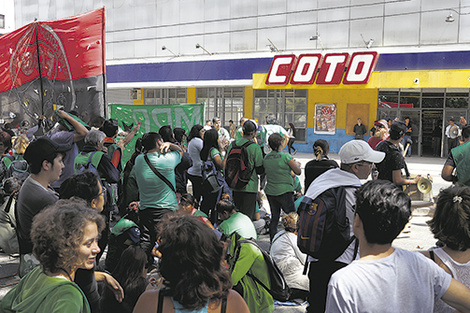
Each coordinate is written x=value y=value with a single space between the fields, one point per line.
x=325 y=118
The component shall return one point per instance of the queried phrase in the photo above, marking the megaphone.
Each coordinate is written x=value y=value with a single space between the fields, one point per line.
x=424 y=185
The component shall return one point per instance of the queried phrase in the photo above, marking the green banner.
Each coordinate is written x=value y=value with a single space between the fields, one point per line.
x=152 y=117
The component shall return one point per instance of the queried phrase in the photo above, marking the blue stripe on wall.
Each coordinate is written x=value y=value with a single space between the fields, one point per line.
x=187 y=71
x=335 y=141
x=238 y=69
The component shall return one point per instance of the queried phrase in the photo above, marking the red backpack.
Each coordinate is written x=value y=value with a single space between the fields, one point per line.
x=237 y=170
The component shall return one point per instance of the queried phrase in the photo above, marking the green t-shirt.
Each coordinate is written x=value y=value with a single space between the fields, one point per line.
x=277 y=169
x=266 y=131
x=215 y=152
x=223 y=134
x=39 y=293
x=255 y=159
x=154 y=192
x=239 y=223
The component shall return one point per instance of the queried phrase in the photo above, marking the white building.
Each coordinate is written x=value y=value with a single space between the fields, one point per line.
x=218 y=52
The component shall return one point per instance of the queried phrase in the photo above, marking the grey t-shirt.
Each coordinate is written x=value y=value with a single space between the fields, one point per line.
x=401 y=282
x=32 y=199
x=194 y=149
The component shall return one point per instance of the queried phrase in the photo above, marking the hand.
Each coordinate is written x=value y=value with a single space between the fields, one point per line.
x=112 y=284
x=62 y=113
x=416 y=179
x=136 y=128
x=165 y=147
x=134 y=206
x=104 y=149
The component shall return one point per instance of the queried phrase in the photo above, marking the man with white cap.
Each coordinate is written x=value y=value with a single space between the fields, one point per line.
x=357 y=160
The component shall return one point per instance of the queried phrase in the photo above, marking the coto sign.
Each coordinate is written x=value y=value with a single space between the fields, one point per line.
x=323 y=70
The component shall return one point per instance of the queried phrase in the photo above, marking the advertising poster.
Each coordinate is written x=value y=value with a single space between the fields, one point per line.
x=152 y=117
x=325 y=118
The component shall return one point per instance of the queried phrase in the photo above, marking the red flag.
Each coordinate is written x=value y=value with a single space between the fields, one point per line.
x=51 y=63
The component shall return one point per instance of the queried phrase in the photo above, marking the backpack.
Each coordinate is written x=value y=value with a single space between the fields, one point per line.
x=279 y=289
x=324 y=231
x=237 y=171
x=18 y=168
x=89 y=165
x=210 y=176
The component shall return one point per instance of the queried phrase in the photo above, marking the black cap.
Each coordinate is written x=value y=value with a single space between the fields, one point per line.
x=249 y=127
x=397 y=129
x=42 y=149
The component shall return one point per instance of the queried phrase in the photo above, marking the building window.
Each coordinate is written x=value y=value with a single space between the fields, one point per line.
x=225 y=103
x=2 y=21
x=289 y=106
x=165 y=96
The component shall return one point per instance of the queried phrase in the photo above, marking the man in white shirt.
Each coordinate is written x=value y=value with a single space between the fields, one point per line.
x=386 y=279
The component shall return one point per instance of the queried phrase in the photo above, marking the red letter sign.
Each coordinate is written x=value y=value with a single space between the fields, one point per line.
x=332 y=69
x=306 y=69
x=280 y=70
x=360 y=68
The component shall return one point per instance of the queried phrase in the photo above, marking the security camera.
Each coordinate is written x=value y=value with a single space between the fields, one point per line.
x=416 y=81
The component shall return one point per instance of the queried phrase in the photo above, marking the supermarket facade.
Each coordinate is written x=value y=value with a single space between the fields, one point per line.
x=161 y=52
x=428 y=87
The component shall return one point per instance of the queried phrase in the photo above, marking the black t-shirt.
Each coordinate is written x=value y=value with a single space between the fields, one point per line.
x=393 y=160
x=315 y=168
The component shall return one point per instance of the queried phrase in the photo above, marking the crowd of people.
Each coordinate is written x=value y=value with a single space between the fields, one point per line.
x=180 y=219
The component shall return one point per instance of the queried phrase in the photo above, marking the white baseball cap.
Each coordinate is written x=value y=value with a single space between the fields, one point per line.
x=358 y=150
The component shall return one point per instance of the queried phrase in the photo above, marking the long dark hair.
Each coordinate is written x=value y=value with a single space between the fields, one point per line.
x=294 y=131
x=210 y=141
x=191 y=263
x=194 y=132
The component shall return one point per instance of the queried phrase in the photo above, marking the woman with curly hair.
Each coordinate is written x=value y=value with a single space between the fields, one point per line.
x=451 y=226
x=65 y=239
x=194 y=276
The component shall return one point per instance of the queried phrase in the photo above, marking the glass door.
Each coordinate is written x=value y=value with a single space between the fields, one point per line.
x=454 y=114
x=416 y=126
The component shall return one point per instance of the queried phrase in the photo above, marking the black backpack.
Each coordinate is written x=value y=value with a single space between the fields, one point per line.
x=237 y=170
x=279 y=289
x=211 y=176
x=324 y=231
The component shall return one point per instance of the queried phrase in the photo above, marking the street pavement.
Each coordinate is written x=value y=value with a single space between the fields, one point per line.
x=419 y=237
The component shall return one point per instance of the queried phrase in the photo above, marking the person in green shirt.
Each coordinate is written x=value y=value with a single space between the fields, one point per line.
x=156 y=197
x=245 y=198
x=65 y=238
x=234 y=221
x=280 y=186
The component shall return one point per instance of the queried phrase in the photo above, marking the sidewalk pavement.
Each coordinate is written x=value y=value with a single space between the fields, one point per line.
x=418 y=239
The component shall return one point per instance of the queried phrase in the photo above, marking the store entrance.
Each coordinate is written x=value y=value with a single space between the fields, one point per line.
x=431 y=132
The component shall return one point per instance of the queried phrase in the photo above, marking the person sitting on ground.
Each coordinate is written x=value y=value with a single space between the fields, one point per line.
x=451 y=226
x=130 y=272
x=246 y=262
x=65 y=238
x=45 y=162
x=188 y=206
x=19 y=167
x=6 y=158
x=234 y=221
x=289 y=258
x=87 y=186
x=8 y=238
x=320 y=164
x=388 y=279
x=196 y=281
